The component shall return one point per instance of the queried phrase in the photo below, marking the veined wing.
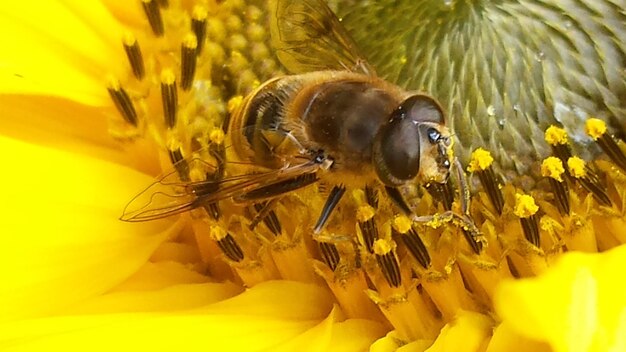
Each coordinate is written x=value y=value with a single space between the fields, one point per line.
x=307 y=36
x=170 y=196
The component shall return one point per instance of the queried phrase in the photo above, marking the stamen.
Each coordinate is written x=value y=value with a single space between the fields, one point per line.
x=330 y=254
x=268 y=215
x=371 y=195
x=401 y=227
x=122 y=102
x=181 y=165
x=588 y=179
x=552 y=168
x=526 y=209
x=596 y=129
x=387 y=261
x=556 y=137
x=481 y=164
x=164 y=3
x=153 y=13
x=189 y=54
x=133 y=52
x=169 y=97
x=227 y=244
x=369 y=230
x=198 y=26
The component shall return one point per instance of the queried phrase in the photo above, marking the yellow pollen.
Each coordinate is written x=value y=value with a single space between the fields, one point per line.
x=525 y=206
x=172 y=142
x=555 y=135
x=382 y=247
x=199 y=13
x=113 y=83
x=129 y=39
x=402 y=224
x=576 y=167
x=365 y=212
x=595 y=128
x=552 y=167
x=216 y=136
x=359 y=196
x=234 y=103
x=168 y=77
x=190 y=41
x=217 y=233
x=481 y=159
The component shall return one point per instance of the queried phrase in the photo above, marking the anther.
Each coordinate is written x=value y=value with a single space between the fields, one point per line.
x=169 y=97
x=401 y=227
x=367 y=225
x=198 y=26
x=133 y=52
x=552 y=168
x=227 y=244
x=269 y=217
x=596 y=129
x=481 y=164
x=181 y=165
x=164 y=3
x=556 y=137
x=330 y=254
x=189 y=55
x=122 y=102
x=526 y=209
x=153 y=13
x=371 y=195
x=387 y=262
x=588 y=179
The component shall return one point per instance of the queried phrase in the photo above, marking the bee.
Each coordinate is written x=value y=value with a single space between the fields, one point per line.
x=332 y=120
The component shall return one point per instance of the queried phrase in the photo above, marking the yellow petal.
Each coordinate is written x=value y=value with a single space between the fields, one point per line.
x=578 y=305
x=61 y=238
x=468 y=332
x=263 y=317
x=505 y=339
x=332 y=334
x=163 y=286
x=69 y=125
x=60 y=50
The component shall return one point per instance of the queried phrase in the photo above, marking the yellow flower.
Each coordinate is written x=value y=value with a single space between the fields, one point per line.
x=75 y=277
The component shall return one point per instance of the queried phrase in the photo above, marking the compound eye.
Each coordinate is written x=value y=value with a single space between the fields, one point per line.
x=433 y=135
x=397 y=152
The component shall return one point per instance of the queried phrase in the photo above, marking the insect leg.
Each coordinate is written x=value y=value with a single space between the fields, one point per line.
x=278 y=188
x=331 y=202
x=398 y=200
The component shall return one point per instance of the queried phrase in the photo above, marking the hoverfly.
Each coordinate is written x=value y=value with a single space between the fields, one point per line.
x=332 y=120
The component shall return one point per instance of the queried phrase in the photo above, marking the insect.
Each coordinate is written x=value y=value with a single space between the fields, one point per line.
x=332 y=120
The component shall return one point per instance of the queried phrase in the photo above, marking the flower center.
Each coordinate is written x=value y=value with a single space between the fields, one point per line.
x=187 y=76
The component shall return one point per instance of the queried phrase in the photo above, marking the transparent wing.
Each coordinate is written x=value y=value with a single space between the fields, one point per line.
x=307 y=36
x=170 y=196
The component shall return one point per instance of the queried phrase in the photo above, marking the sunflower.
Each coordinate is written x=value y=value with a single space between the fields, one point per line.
x=100 y=97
